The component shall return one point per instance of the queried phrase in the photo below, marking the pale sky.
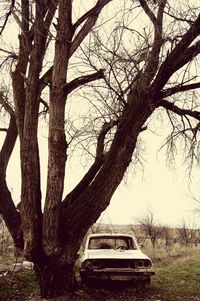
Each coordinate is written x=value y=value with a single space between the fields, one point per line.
x=158 y=188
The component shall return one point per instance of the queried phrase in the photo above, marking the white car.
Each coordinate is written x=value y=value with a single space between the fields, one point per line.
x=114 y=257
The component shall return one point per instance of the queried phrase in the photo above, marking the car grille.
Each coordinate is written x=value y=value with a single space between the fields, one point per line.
x=120 y=263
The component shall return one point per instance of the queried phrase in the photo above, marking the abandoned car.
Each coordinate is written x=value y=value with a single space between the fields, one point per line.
x=114 y=257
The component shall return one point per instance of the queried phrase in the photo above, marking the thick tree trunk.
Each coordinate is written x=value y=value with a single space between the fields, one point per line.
x=7 y=208
x=56 y=274
x=10 y=215
x=57 y=145
x=55 y=278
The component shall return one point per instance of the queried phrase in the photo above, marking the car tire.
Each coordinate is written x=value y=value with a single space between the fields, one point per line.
x=146 y=283
x=86 y=282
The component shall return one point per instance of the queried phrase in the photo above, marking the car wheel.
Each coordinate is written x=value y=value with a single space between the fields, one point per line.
x=146 y=282
x=84 y=280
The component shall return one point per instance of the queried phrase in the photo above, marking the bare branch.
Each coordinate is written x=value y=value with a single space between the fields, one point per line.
x=8 y=144
x=3 y=129
x=10 y=53
x=101 y=138
x=189 y=21
x=91 y=20
x=51 y=12
x=148 y=11
x=93 y=170
x=92 y=11
x=46 y=106
x=84 y=183
x=179 y=56
x=7 y=106
x=7 y=208
x=187 y=56
x=7 y=17
x=181 y=112
x=179 y=88
x=77 y=82
x=153 y=59
x=18 y=21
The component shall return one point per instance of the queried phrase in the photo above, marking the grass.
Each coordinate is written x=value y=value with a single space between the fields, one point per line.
x=177 y=278
x=178 y=281
x=18 y=286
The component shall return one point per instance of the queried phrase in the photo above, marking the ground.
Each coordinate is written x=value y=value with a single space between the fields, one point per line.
x=177 y=278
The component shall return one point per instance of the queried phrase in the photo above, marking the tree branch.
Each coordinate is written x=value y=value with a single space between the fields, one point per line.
x=92 y=11
x=52 y=6
x=90 y=21
x=79 y=81
x=3 y=129
x=91 y=173
x=10 y=53
x=148 y=11
x=7 y=208
x=7 y=17
x=4 y=102
x=179 y=56
x=83 y=184
x=45 y=104
x=189 y=54
x=178 y=89
x=181 y=112
x=153 y=59
x=101 y=138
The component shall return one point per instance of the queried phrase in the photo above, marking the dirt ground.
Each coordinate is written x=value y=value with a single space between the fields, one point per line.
x=120 y=294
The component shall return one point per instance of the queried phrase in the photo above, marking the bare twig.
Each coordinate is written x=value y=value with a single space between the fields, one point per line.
x=7 y=17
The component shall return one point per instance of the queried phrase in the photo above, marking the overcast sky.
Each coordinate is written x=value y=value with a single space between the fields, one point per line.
x=166 y=192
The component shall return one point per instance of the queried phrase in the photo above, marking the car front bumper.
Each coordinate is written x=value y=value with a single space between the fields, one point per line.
x=118 y=275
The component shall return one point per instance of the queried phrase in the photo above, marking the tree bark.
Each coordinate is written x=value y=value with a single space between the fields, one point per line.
x=30 y=164
x=57 y=145
x=10 y=215
x=55 y=278
x=56 y=274
x=7 y=208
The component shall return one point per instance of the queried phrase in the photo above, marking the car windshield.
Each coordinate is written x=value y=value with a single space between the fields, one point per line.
x=114 y=242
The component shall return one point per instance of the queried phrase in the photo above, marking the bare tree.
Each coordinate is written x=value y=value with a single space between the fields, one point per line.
x=150 y=227
x=168 y=238
x=156 y=68
x=188 y=233
x=139 y=234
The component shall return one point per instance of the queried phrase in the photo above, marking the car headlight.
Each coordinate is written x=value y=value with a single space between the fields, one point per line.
x=87 y=265
x=147 y=263
x=91 y=264
x=143 y=263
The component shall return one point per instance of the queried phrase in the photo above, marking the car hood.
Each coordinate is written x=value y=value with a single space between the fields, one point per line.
x=114 y=254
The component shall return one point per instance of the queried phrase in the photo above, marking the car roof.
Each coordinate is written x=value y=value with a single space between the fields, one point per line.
x=109 y=235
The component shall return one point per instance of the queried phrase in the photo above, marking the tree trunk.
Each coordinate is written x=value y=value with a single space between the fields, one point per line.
x=55 y=278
